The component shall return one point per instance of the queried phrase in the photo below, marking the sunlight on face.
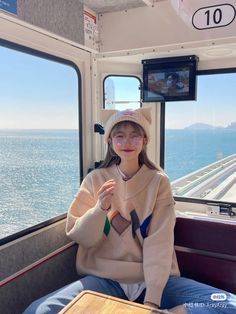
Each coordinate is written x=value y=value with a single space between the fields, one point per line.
x=127 y=140
x=121 y=139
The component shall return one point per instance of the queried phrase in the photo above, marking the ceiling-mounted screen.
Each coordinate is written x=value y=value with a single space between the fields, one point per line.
x=169 y=79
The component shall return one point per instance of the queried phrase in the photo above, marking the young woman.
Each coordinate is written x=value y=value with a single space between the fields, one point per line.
x=123 y=220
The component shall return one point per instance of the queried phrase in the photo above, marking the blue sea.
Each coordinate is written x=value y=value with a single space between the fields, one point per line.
x=189 y=150
x=39 y=175
x=39 y=169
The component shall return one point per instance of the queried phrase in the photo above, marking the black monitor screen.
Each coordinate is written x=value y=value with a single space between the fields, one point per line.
x=169 y=79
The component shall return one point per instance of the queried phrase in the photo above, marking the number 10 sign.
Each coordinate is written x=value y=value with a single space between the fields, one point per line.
x=214 y=16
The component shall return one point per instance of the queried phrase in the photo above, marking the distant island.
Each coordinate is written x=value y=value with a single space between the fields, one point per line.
x=205 y=126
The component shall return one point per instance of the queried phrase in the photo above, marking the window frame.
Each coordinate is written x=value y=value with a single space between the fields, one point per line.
x=37 y=53
x=162 y=140
x=120 y=75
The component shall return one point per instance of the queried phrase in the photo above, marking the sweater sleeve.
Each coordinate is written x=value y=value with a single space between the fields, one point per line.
x=85 y=219
x=159 y=245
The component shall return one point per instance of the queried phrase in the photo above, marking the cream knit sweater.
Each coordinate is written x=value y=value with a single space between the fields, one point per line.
x=134 y=241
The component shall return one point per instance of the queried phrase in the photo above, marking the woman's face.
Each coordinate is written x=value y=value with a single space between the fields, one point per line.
x=127 y=142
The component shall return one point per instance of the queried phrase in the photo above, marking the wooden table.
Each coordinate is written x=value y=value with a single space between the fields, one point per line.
x=89 y=302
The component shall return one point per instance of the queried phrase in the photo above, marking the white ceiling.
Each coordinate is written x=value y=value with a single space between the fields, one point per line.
x=104 y=6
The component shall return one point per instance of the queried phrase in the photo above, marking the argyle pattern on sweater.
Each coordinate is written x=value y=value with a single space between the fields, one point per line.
x=120 y=224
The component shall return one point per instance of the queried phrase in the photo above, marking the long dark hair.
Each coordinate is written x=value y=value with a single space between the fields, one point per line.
x=112 y=158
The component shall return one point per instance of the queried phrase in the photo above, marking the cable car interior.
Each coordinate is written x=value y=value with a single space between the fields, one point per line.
x=78 y=57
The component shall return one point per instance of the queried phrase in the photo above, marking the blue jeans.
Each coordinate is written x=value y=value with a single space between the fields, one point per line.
x=195 y=296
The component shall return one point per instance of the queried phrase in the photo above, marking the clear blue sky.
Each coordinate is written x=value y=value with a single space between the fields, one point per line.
x=37 y=93
x=215 y=104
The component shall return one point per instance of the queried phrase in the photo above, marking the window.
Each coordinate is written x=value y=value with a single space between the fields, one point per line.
x=200 y=145
x=121 y=92
x=39 y=142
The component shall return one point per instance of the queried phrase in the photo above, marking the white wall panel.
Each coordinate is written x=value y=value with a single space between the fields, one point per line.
x=166 y=23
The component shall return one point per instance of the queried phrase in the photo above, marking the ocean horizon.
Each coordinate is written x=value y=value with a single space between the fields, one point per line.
x=39 y=168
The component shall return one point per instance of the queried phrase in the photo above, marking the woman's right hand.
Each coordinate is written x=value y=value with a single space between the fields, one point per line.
x=105 y=194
